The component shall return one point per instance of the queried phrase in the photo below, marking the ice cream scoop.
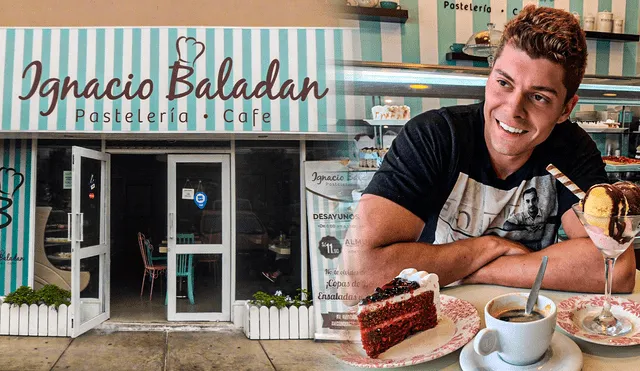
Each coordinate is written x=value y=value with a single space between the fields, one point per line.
x=602 y=202
x=632 y=193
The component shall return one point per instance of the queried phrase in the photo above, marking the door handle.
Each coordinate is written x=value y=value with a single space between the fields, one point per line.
x=69 y=225
x=171 y=236
x=81 y=222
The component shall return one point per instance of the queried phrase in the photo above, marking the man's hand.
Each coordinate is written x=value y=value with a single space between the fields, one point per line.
x=513 y=248
x=574 y=265
x=387 y=237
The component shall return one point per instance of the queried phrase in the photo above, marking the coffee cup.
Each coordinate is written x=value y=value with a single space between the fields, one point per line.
x=519 y=340
x=456 y=47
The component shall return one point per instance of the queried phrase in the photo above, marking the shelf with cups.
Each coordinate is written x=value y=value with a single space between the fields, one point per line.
x=374 y=14
x=612 y=36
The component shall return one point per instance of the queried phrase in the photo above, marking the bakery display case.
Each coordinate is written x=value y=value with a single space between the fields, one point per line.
x=611 y=123
x=52 y=260
x=57 y=245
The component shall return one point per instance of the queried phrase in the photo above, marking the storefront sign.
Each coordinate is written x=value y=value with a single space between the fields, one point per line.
x=67 y=179
x=200 y=199
x=187 y=193
x=159 y=79
x=330 y=207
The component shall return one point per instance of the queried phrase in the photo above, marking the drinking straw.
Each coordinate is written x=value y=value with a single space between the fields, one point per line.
x=565 y=181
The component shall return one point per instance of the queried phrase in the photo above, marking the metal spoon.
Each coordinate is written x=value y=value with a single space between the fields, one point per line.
x=533 y=295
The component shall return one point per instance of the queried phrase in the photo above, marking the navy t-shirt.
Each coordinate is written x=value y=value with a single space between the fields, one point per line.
x=439 y=169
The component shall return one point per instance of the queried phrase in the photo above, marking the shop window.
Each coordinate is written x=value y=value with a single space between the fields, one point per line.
x=53 y=203
x=268 y=244
x=329 y=150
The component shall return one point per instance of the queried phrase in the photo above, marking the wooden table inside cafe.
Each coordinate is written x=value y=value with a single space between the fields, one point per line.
x=595 y=356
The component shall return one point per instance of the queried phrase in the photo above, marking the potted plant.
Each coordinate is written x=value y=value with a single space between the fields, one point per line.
x=279 y=316
x=44 y=312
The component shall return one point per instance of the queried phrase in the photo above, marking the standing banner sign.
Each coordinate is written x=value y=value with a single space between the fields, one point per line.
x=330 y=190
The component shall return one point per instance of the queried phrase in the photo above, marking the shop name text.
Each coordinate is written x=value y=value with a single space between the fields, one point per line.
x=182 y=83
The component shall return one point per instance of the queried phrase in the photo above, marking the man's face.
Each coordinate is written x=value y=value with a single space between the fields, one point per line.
x=524 y=99
x=531 y=203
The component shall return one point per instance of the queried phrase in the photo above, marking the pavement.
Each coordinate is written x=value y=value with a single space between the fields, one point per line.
x=224 y=348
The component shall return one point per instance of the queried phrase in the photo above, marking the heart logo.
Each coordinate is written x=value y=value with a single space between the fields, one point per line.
x=189 y=46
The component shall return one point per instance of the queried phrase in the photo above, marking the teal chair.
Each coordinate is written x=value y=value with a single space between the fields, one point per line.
x=153 y=259
x=184 y=264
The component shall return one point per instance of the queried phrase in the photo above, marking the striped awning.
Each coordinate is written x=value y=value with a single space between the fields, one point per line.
x=170 y=79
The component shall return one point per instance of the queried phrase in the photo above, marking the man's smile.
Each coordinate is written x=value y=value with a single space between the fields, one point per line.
x=510 y=129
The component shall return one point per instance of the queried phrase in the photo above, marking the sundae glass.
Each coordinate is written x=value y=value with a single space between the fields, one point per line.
x=612 y=235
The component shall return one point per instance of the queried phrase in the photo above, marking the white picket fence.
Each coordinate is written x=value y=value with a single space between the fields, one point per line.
x=34 y=320
x=273 y=323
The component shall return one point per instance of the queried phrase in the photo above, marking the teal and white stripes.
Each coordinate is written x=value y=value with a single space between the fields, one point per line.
x=15 y=237
x=146 y=53
x=432 y=28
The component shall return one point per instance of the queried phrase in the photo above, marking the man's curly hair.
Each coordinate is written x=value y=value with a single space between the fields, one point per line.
x=553 y=34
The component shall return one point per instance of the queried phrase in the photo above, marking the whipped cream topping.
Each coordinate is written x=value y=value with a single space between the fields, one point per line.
x=427 y=282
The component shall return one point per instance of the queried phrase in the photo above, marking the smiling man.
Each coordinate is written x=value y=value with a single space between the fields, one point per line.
x=446 y=197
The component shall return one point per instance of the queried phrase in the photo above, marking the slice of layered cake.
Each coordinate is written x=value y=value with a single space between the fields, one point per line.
x=404 y=306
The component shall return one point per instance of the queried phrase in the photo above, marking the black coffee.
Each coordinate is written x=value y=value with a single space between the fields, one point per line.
x=517 y=315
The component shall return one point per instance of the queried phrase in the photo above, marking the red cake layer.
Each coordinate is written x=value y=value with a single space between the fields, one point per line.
x=372 y=318
x=376 y=340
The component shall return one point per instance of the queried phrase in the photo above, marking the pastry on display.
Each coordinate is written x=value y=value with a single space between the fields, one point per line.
x=387 y=112
x=371 y=158
x=620 y=160
x=406 y=305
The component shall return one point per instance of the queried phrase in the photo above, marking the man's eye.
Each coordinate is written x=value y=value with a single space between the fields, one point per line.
x=502 y=83
x=539 y=98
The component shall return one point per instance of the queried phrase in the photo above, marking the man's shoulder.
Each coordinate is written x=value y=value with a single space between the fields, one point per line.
x=567 y=134
x=451 y=118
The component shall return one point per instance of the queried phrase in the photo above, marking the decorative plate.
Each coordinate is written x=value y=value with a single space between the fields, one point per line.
x=573 y=310
x=563 y=354
x=458 y=323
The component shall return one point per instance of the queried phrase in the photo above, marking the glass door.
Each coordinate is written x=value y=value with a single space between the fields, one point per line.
x=89 y=235
x=199 y=238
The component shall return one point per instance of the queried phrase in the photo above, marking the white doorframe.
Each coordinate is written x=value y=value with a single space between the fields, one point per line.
x=102 y=250
x=224 y=248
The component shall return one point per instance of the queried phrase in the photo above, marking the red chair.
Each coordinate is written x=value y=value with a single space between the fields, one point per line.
x=153 y=270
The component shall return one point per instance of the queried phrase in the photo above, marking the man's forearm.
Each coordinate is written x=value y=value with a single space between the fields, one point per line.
x=574 y=265
x=451 y=262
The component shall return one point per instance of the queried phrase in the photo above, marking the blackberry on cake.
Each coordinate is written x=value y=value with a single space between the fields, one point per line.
x=406 y=305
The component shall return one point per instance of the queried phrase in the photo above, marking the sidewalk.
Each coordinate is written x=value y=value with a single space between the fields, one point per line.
x=223 y=349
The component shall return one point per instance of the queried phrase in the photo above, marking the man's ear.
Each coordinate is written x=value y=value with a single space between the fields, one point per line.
x=568 y=107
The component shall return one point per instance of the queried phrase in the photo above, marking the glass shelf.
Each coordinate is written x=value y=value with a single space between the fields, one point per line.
x=397 y=79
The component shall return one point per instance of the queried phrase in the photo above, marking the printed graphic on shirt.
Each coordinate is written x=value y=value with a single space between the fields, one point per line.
x=527 y=213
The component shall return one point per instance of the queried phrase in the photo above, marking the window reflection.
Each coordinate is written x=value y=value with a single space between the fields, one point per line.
x=267 y=218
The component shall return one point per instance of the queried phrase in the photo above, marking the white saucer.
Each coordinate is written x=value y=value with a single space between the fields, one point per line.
x=563 y=354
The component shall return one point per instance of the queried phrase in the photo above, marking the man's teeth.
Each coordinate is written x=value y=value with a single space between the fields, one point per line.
x=509 y=128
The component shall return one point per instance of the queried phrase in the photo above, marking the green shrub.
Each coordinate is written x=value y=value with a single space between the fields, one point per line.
x=50 y=295
x=23 y=295
x=278 y=300
x=53 y=295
